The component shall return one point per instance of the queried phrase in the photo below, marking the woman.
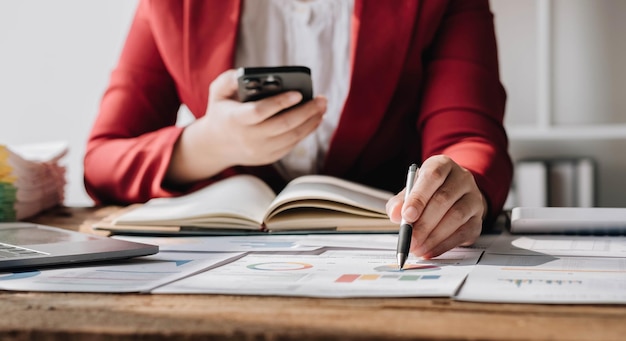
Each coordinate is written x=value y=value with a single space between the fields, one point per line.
x=403 y=81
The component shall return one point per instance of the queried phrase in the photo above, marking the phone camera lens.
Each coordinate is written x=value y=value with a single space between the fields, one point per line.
x=252 y=84
x=272 y=83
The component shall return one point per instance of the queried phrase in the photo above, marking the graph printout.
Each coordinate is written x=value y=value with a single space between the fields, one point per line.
x=333 y=274
x=546 y=279
x=133 y=275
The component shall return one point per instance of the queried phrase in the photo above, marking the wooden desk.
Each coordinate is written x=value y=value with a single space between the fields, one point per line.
x=63 y=316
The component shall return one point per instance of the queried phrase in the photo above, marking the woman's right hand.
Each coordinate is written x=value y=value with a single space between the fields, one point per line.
x=233 y=133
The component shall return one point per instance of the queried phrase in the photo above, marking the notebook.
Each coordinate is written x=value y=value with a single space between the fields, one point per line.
x=26 y=245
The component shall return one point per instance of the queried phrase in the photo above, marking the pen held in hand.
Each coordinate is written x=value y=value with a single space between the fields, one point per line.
x=406 y=229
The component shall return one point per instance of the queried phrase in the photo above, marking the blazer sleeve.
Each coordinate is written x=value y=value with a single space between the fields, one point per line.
x=463 y=102
x=131 y=141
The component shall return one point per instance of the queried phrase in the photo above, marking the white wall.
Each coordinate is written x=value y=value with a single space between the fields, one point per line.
x=55 y=60
x=56 y=57
x=563 y=65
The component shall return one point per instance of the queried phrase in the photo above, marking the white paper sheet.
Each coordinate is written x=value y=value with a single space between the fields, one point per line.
x=560 y=245
x=374 y=241
x=333 y=274
x=224 y=244
x=546 y=279
x=134 y=275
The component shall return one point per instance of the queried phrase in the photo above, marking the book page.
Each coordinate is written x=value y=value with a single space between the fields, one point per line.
x=321 y=219
x=236 y=202
x=324 y=201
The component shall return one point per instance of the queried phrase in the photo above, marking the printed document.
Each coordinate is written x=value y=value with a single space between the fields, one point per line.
x=550 y=269
x=333 y=274
x=546 y=279
x=224 y=244
x=560 y=245
x=134 y=275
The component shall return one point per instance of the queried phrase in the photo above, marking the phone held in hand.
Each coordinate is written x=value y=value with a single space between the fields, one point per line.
x=256 y=83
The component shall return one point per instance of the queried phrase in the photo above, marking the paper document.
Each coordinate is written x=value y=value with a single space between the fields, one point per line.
x=134 y=275
x=32 y=179
x=371 y=241
x=560 y=245
x=224 y=244
x=546 y=279
x=333 y=274
x=386 y=241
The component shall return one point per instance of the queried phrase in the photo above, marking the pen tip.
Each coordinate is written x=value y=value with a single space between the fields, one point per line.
x=401 y=260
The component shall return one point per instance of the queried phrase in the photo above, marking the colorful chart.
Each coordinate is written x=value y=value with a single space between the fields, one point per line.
x=350 y=278
x=280 y=266
x=408 y=267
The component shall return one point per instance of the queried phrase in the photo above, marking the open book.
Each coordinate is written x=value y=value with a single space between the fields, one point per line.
x=244 y=202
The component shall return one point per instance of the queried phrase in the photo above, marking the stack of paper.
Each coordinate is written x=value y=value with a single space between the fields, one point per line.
x=31 y=179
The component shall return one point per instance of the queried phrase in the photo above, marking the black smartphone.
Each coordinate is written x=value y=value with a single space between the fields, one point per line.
x=256 y=83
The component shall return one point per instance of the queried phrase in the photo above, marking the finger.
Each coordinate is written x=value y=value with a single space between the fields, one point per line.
x=394 y=207
x=261 y=110
x=296 y=134
x=466 y=234
x=295 y=119
x=457 y=215
x=224 y=86
x=430 y=177
x=449 y=199
x=275 y=147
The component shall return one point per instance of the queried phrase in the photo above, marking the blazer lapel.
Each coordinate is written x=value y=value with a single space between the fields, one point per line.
x=209 y=48
x=381 y=33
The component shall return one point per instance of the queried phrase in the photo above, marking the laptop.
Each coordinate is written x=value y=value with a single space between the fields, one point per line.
x=26 y=245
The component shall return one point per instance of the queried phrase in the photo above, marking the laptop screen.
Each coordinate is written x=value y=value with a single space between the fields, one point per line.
x=32 y=235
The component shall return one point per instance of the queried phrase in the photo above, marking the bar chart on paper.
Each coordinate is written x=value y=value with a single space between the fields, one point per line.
x=546 y=279
x=522 y=282
x=350 y=278
x=408 y=273
x=332 y=274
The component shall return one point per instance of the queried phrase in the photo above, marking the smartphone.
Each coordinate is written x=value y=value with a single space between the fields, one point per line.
x=255 y=83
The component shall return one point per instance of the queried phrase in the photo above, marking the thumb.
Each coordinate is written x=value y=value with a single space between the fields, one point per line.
x=224 y=86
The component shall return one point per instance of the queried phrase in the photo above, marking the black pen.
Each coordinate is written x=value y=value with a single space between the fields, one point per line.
x=406 y=229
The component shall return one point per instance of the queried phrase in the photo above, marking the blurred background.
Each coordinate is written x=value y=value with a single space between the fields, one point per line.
x=562 y=63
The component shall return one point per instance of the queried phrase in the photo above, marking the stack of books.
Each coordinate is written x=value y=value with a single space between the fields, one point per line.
x=555 y=182
x=31 y=179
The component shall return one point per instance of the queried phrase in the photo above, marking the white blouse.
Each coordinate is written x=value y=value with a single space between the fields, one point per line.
x=312 y=33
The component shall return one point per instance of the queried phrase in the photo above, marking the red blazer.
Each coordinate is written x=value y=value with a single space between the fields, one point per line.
x=424 y=82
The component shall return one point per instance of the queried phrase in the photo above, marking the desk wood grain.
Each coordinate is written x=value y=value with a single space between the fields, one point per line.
x=65 y=316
